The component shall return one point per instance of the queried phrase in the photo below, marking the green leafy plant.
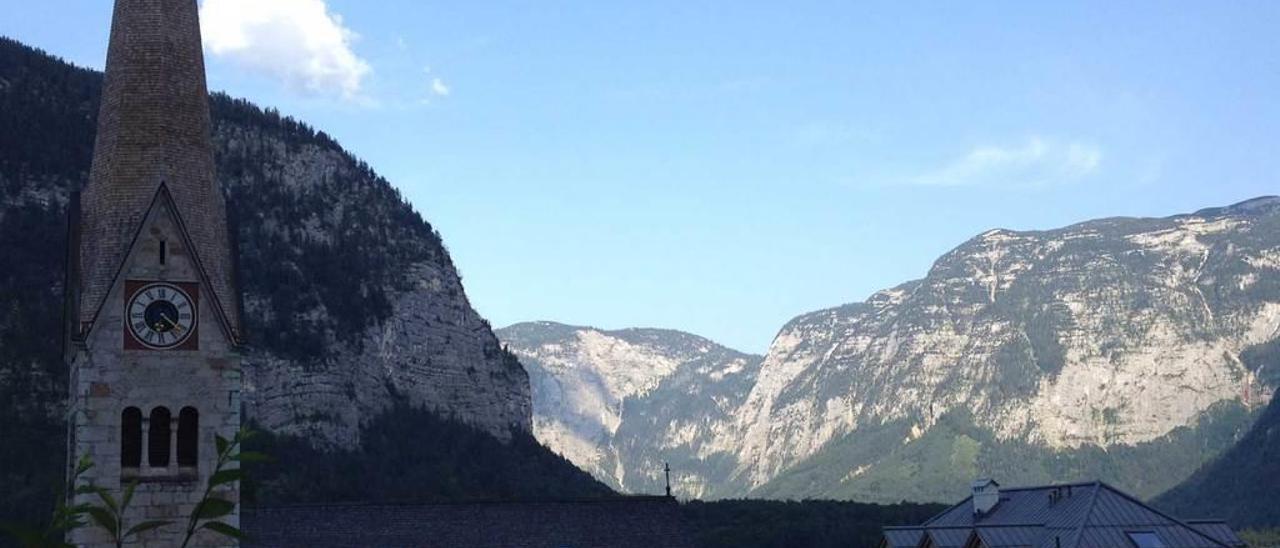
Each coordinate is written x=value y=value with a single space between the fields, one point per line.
x=213 y=507
x=110 y=515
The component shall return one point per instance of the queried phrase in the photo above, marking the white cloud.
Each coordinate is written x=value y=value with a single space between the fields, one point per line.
x=439 y=88
x=299 y=42
x=1036 y=162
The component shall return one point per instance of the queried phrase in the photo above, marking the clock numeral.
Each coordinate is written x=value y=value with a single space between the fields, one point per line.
x=184 y=316
x=164 y=293
x=149 y=336
x=184 y=305
x=136 y=315
x=139 y=326
x=150 y=297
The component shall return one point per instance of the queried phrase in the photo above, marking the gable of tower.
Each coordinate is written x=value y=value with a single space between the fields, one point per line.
x=161 y=250
x=154 y=130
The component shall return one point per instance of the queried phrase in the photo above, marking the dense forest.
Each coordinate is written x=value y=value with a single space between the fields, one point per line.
x=811 y=524
x=1247 y=472
x=47 y=112
x=434 y=459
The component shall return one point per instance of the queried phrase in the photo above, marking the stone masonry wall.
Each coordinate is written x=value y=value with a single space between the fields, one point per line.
x=107 y=379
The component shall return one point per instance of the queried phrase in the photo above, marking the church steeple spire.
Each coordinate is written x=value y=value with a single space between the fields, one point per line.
x=153 y=132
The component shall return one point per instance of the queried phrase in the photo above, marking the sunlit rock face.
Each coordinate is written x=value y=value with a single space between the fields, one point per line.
x=1128 y=349
x=1112 y=333
x=620 y=404
x=351 y=301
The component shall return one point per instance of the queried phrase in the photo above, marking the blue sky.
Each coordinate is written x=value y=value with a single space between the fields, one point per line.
x=721 y=167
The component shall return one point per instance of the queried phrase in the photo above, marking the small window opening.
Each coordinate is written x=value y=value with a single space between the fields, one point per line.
x=158 y=438
x=1146 y=539
x=164 y=251
x=188 y=437
x=131 y=438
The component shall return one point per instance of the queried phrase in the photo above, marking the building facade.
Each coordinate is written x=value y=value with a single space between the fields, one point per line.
x=153 y=313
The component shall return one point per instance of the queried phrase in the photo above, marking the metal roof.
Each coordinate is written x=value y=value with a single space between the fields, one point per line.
x=949 y=537
x=1218 y=529
x=902 y=538
x=1079 y=515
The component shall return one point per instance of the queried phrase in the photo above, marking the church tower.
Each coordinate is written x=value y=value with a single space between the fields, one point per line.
x=153 y=311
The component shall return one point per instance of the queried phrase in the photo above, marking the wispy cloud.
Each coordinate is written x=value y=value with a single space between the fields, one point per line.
x=299 y=42
x=1036 y=162
x=438 y=88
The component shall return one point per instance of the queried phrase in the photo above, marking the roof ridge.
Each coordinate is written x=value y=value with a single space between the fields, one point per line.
x=967 y=500
x=1049 y=486
x=1126 y=496
x=1093 y=503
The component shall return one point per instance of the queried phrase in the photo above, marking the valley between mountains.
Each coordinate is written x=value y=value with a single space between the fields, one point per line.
x=1128 y=350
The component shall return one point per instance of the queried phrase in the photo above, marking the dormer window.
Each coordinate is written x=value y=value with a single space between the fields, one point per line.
x=1145 y=539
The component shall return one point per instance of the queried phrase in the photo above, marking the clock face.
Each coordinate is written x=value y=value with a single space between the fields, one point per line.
x=161 y=316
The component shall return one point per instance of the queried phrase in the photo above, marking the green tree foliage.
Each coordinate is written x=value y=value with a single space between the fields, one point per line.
x=809 y=524
x=47 y=109
x=1242 y=486
x=1261 y=538
x=227 y=472
x=411 y=455
x=110 y=514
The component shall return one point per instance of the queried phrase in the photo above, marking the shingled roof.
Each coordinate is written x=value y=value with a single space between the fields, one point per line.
x=623 y=522
x=1081 y=515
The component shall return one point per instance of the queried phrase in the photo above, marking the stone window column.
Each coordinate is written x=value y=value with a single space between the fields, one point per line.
x=145 y=462
x=173 y=445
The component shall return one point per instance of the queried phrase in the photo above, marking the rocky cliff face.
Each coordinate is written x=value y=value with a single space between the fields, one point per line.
x=1108 y=334
x=620 y=404
x=352 y=304
x=1131 y=350
x=352 y=297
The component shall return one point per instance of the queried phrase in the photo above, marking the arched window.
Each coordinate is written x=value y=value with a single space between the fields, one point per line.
x=188 y=437
x=158 y=438
x=131 y=438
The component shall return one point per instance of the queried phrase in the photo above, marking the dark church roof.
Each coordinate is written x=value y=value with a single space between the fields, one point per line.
x=154 y=129
x=622 y=522
x=1067 y=516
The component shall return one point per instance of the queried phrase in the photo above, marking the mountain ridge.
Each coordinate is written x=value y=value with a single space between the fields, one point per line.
x=598 y=395
x=968 y=370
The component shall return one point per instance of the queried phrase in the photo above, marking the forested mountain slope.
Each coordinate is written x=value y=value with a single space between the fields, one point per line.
x=353 y=307
x=1243 y=485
